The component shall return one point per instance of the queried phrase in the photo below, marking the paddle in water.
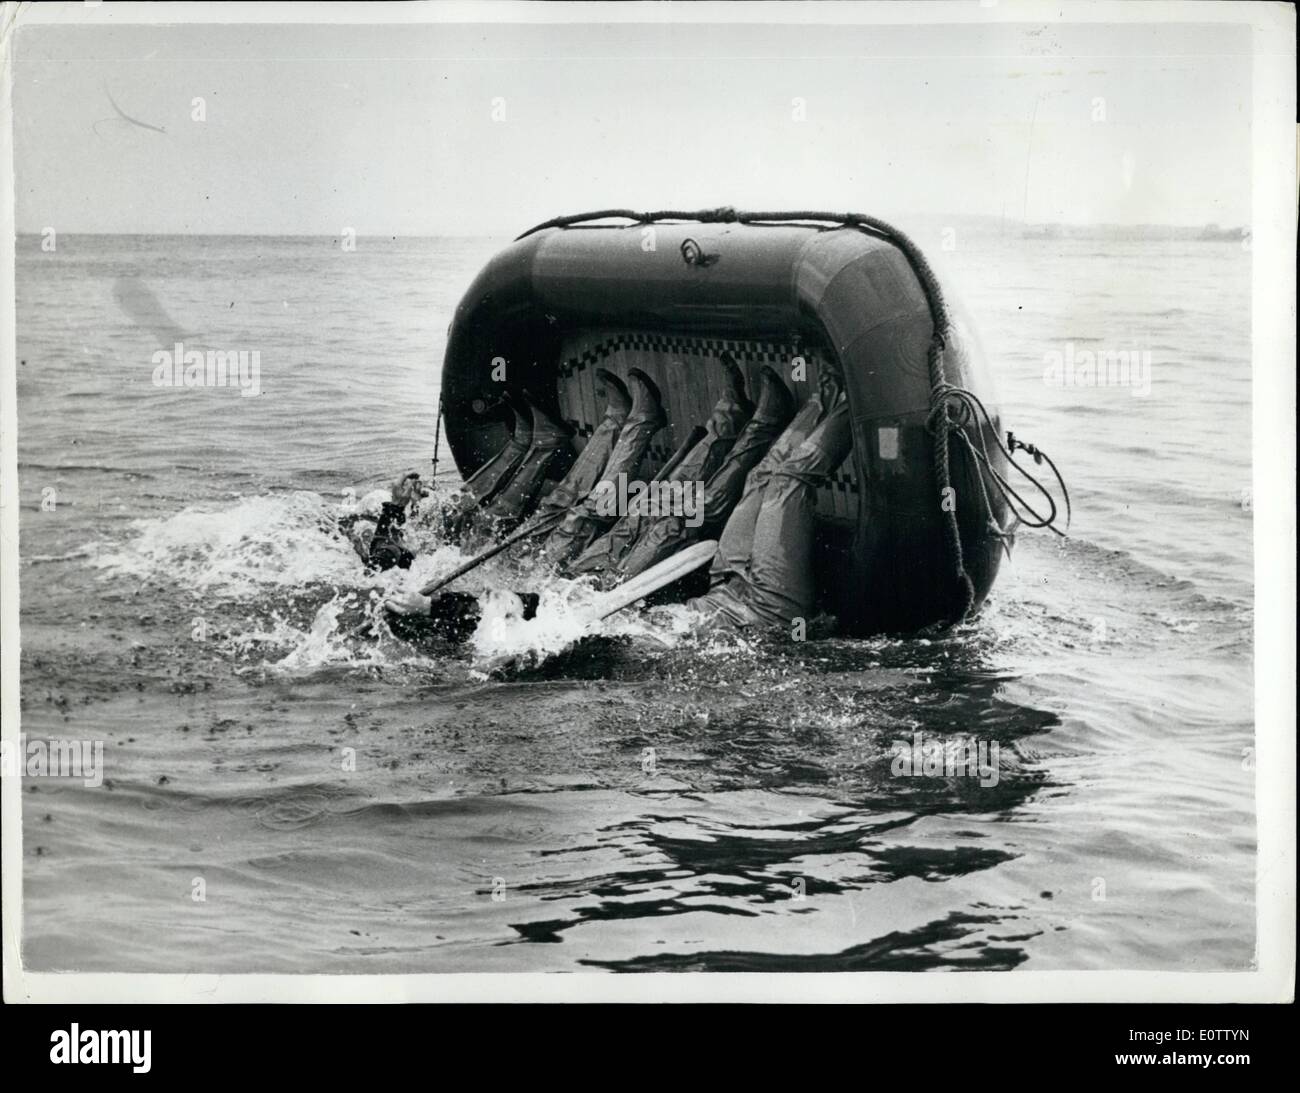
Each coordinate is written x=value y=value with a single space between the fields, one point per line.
x=631 y=592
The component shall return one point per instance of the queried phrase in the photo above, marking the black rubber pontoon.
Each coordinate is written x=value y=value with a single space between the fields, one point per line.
x=910 y=530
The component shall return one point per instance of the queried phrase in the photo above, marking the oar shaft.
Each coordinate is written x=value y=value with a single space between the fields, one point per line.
x=544 y=524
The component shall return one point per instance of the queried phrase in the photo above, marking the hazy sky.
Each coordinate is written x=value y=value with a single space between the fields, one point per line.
x=390 y=130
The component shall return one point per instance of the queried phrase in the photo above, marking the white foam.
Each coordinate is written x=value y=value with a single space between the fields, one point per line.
x=241 y=551
x=265 y=550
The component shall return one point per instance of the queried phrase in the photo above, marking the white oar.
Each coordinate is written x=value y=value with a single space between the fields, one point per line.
x=660 y=575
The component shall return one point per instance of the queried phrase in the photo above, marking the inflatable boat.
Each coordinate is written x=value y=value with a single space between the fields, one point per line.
x=911 y=529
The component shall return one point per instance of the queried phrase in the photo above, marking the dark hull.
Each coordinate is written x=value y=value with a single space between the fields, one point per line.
x=560 y=302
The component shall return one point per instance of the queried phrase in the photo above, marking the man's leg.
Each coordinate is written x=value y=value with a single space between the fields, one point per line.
x=484 y=484
x=735 y=545
x=725 y=487
x=603 y=554
x=517 y=498
x=669 y=533
x=776 y=584
x=585 y=522
x=588 y=467
x=730 y=413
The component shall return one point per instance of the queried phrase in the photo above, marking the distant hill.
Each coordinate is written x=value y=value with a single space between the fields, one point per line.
x=926 y=226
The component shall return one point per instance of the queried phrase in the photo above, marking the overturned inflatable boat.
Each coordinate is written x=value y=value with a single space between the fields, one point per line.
x=911 y=528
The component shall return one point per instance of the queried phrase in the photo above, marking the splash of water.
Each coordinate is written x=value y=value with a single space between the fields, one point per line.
x=566 y=613
x=277 y=553
x=240 y=552
x=325 y=642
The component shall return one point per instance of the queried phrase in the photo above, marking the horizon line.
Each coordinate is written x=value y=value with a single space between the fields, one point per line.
x=514 y=231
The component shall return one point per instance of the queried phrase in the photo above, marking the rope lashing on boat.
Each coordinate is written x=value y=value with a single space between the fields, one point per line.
x=724 y=215
x=973 y=407
x=943 y=395
x=437 y=436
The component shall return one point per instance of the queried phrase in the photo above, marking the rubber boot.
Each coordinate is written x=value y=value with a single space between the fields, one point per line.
x=587 y=468
x=587 y=520
x=550 y=442
x=486 y=482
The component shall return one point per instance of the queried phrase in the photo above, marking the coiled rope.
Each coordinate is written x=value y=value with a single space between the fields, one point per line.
x=944 y=397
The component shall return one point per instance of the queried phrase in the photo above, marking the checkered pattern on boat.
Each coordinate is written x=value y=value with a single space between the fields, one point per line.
x=691 y=380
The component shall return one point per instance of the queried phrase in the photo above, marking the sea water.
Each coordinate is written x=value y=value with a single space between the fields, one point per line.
x=279 y=797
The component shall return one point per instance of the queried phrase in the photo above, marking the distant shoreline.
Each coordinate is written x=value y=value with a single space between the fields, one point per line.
x=980 y=227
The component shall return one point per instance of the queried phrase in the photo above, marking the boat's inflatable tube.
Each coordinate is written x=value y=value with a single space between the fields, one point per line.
x=845 y=297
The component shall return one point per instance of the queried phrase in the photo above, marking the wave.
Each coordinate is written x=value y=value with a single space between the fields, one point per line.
x=281 y=553
x=290 y=595
x=25 y=467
